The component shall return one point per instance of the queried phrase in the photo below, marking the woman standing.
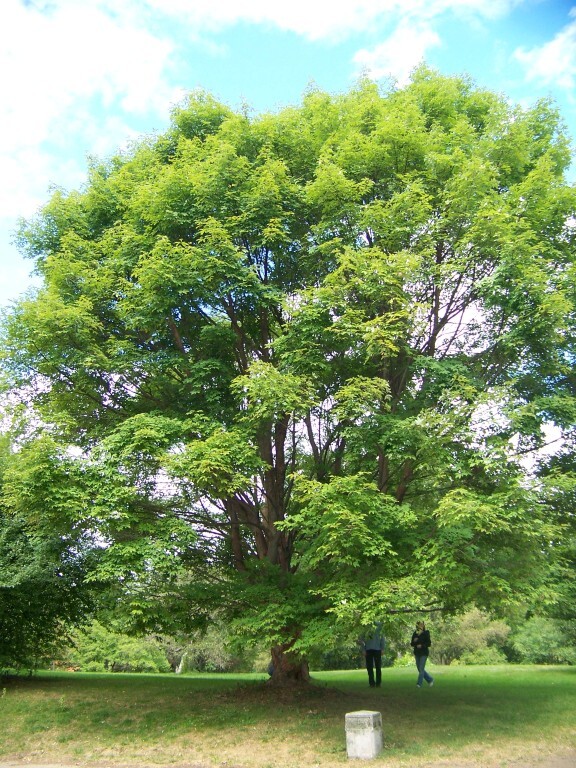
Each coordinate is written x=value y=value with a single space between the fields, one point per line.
x=421 y=643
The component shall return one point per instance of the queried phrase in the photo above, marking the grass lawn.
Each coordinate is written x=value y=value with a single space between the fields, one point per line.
x=473 y=716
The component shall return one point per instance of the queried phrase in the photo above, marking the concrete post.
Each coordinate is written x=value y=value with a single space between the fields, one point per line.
x=363 y=734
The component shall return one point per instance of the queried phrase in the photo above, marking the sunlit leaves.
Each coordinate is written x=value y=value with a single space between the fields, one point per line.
x=268 y=394
x=361 y=398
x=219 y=466
x=342 y=522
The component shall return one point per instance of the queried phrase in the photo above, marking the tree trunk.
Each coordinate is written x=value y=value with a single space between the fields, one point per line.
x=288 y=668
x=179 y=669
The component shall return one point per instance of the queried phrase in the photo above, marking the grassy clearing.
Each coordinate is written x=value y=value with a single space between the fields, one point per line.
x=473 y=716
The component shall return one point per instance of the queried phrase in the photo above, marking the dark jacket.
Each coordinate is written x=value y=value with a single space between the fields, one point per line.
x=421 y=642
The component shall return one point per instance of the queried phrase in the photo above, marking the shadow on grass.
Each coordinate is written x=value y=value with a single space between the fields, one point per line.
x=466 y=706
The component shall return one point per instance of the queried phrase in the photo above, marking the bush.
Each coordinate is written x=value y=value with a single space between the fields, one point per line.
x=97 y=649
x=473 y=634
x=545 y=641
x=486 y=655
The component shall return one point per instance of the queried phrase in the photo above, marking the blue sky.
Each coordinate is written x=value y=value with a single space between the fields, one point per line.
x=83 y=77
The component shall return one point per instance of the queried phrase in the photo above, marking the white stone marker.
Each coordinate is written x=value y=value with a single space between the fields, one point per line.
x=363 y=734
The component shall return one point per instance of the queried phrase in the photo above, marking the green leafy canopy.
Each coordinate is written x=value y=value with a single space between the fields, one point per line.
x=299 y=356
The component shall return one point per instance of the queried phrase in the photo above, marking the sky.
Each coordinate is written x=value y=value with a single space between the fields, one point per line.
x=83 y=78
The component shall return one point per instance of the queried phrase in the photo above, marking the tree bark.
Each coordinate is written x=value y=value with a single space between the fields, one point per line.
x=288 y=668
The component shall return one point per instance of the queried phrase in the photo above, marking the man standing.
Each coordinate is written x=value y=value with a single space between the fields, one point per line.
x=373 y=644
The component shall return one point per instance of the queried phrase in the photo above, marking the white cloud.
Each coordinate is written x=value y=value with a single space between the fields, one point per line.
x=58 y=64
x=399 y=54
x=317 y=19
x=555 y=61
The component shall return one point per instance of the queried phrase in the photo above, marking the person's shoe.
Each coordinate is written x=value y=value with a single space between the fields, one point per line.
x=431 y=683
x=418 y=686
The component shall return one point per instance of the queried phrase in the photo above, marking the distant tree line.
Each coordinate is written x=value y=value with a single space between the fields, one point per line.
x=470 y=638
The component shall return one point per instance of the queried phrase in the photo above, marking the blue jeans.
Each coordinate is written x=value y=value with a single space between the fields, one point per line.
x=421 y=664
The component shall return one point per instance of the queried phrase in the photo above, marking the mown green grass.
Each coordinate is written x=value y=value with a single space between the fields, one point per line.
x=478 y=716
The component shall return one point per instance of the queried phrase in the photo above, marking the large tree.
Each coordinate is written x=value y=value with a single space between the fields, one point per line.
x=305 y=352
